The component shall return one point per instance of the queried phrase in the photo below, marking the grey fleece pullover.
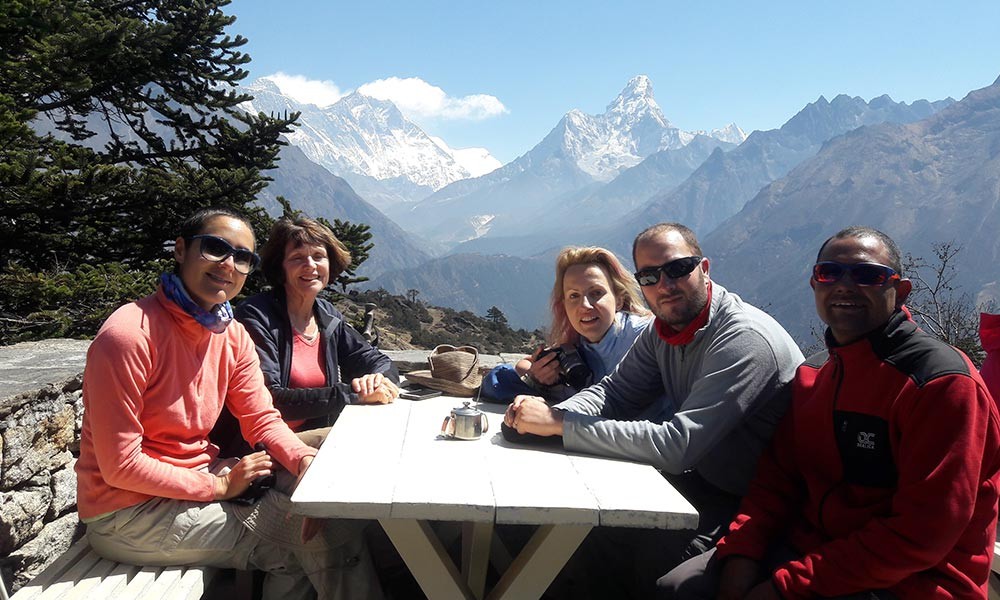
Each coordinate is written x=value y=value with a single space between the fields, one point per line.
x=730 y=385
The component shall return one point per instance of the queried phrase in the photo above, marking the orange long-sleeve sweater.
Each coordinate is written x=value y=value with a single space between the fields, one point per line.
x=154 y=385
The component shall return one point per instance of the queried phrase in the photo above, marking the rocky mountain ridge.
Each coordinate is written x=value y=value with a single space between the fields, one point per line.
x=580 y=153
x=367 y=141
x=319 y=193
x=936 y=180
x=740 y=175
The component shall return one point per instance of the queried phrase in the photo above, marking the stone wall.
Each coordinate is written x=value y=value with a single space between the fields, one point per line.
x=39 y=443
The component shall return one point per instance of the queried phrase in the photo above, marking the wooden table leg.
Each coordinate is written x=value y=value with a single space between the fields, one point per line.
x=475 y=555
x=539 y=562
x=427 y=559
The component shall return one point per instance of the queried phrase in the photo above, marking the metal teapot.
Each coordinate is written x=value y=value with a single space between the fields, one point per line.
x=465 y=423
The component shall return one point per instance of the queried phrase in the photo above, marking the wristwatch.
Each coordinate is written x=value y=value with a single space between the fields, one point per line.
x=530 y=381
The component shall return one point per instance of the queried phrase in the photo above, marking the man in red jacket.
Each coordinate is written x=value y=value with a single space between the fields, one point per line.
x=881 y=480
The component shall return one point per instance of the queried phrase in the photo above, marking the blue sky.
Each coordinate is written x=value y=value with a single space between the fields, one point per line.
x=501 y=74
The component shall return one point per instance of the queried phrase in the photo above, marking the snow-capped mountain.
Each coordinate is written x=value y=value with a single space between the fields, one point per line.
x=631 y=128
x=361 y=138
x=581 y=151
x=731 y=134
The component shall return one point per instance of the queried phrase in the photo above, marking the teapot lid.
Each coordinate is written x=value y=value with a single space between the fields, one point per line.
x=466 y=411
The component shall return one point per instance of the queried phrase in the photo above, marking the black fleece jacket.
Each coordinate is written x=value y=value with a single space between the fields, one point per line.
x=347 y=355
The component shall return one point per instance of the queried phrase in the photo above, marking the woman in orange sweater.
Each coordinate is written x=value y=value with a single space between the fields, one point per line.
x=150 y=486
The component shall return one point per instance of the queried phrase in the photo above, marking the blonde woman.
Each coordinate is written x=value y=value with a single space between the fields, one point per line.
x=597 y=313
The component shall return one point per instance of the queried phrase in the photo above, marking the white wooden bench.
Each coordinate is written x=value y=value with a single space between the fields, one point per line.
x=81 y=574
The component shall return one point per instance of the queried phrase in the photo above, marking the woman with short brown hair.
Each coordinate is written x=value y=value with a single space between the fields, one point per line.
x=313 y=361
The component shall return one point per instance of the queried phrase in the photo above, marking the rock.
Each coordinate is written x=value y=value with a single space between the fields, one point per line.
x=408 y=360
x=28 y=366
x=31 y=559
x=73 y=384
x=63 y=487
x=415 y=360
x=36 y=437
x=21 y=515
x=74 y=446
x=508 y=358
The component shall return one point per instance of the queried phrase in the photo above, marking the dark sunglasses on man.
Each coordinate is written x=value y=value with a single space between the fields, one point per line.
x=674 y=269
x=216 y=249
x=864 y=273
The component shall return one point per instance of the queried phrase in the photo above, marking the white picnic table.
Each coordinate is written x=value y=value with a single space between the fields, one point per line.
x=388 y=462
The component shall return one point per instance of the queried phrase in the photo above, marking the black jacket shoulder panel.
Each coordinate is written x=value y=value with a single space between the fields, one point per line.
x=328 y=315
x=917 y=354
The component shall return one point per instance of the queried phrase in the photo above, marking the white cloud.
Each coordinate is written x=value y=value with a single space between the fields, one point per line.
x=421 y=100
x=308 y=91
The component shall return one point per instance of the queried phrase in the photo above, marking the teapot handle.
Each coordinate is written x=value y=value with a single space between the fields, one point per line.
x=486 y=423
x=448 y=427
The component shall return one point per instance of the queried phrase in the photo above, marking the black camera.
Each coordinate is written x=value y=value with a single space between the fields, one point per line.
x=573 y=370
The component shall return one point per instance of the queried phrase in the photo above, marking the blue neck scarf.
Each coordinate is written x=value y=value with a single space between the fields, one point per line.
x=215 y=320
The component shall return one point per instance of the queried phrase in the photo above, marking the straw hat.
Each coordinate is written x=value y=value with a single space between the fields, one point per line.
x=453 y=370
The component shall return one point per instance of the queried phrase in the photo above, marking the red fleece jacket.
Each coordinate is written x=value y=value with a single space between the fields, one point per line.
x=883 y=474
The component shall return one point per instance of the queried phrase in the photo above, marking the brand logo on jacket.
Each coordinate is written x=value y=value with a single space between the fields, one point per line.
x=866 y=440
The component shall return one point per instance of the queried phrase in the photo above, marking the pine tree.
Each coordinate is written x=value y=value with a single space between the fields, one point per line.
x=495 y=316
x=117 y=121
x=357 y=237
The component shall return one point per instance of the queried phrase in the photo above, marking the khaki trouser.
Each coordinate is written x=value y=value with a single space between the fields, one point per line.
x=166 y=532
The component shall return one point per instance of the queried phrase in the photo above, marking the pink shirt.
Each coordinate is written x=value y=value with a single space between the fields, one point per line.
x=307 y=368
x=154 y=385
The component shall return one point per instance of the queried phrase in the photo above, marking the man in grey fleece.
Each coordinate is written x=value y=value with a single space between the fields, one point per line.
x=723 y=364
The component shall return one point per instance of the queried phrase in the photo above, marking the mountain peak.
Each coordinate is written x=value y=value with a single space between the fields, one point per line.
x=731 y=133
x=636 y=97
x=358 y=99
x=264 y=84
x=640 y=85
x=367 y=137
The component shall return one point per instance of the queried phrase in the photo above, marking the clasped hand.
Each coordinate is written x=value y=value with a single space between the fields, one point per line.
x=243 y=473
x=530 y=414
x=375 y=388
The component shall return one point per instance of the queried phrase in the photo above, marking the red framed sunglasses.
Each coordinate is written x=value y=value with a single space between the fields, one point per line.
x=867 y=274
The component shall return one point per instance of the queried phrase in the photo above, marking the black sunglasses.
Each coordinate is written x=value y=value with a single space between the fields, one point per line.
x=867 y=274
x=674 y=269
x=216 y=249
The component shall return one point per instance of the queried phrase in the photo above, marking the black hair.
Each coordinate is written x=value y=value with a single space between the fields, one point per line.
x=689 y=237
x=858 y=231
x=195 y=224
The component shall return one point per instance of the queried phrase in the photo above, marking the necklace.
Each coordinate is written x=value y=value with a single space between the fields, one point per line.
x=307 y=337
x=304 y=332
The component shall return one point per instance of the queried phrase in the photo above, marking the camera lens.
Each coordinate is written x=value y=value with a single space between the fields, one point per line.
x=575 y=370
